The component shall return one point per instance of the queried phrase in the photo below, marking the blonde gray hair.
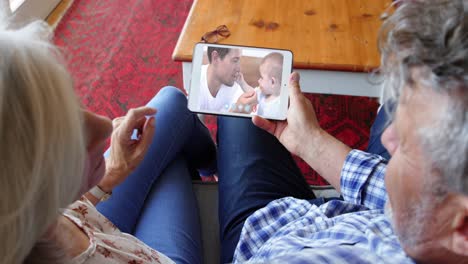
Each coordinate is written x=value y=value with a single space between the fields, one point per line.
x=432 y=36
x=42 y=152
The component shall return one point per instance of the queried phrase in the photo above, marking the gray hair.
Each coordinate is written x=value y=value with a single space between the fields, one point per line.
x=42 y=152
x=432 y=36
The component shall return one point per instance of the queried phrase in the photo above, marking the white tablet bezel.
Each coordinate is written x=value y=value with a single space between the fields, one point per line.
x=193 y=97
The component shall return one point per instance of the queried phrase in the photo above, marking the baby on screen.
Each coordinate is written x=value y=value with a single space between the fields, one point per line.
x=269 y=85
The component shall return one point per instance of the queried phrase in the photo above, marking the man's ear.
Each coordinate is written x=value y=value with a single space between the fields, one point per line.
x=459 y=243
x=214 y=56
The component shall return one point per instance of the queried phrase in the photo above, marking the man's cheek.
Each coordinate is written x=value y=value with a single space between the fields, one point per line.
x=389 y=180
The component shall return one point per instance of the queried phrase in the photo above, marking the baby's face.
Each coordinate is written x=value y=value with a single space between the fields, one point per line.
x=267 y=84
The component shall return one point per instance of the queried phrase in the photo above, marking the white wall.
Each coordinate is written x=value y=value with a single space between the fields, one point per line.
x=33 y=9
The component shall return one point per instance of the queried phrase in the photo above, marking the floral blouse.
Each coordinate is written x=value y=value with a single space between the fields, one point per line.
x=107 y=244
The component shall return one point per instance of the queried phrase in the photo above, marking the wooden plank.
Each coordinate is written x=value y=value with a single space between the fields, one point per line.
x=323 y=34
x=59 y=11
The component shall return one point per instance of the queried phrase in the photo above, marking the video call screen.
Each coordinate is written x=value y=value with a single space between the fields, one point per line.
x=240 y=81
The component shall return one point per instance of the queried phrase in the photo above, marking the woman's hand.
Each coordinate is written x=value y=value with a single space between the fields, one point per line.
x=127 y=153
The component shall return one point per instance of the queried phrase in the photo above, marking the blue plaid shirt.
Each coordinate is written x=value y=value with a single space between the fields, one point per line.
x=355 y=230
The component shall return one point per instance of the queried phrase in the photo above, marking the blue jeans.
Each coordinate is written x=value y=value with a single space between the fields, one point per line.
x=255 y=169
x=156 y=202
x=380 y=123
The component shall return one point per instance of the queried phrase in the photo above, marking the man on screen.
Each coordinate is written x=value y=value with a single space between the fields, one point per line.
x=219 y=90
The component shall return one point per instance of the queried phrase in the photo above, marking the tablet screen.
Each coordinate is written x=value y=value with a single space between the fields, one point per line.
x=240 y=81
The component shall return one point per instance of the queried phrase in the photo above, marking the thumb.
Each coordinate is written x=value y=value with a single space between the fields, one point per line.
x=294 y=88
x=148 y=134
x=249 y=94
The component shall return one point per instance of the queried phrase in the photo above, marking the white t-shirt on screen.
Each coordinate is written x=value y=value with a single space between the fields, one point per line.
x=267 y=108
x=226 y=96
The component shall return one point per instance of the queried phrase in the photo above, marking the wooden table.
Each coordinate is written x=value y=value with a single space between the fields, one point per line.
x=334 y=41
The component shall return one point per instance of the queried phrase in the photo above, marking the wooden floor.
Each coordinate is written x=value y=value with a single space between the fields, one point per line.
x=58 y=12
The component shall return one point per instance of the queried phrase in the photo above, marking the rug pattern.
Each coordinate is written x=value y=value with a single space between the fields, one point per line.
x=119 y=54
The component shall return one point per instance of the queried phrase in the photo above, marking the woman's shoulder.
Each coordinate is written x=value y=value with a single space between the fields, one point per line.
x=85 y=215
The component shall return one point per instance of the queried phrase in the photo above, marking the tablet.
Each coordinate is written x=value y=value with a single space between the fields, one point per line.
x=240 y=81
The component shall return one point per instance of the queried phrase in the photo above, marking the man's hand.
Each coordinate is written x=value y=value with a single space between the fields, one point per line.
x=301 y=124
x=246 y=103
x=302 y=135
x=127 y=153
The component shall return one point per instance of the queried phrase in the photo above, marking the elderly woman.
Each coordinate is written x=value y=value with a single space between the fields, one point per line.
x=51 y=157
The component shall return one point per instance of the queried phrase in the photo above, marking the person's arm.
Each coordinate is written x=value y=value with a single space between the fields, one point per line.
x=91 y=198
x=359 y=176
x=105 y=185
x=302 y=135
x=326 y=155
x=362 y=179
x=246 y=100
x=243 y=84
x=126 y=152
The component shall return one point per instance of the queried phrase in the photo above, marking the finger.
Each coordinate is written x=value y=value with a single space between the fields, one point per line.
x=147 y=135
x=139 y=125
x=137 y=113
x=132 y=135
x=264 y=124
x=134 y=117
x=294 y=87
x=117 y=121
x=249 y=94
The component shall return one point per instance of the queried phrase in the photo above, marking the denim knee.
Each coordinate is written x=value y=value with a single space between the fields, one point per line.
x=172 y=94
x=169 y=98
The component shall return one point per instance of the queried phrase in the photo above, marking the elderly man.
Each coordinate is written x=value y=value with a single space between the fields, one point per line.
x=412 y=208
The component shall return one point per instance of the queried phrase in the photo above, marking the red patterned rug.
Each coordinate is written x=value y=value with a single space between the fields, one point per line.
x=119 y=53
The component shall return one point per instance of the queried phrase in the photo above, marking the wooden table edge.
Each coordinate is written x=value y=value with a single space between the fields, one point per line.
x=301 y=65
x=311 y=66
x=179 y=40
